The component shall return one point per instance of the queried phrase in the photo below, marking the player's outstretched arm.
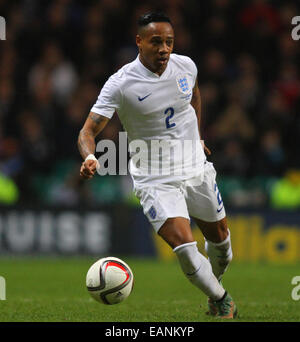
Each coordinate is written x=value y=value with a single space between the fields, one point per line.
x=93 y=125
x=196 y=103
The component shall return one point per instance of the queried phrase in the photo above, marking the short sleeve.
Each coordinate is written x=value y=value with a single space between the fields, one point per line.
x=188 y=65
x=193 y=69
x=109 y=99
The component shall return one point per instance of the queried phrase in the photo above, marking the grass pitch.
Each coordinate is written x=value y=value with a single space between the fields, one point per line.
x=53 y=290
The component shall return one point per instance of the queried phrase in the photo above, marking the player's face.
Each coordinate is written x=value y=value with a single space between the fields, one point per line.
x=155 y=44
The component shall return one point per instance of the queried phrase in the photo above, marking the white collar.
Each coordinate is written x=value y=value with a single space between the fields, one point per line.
x=148 y=73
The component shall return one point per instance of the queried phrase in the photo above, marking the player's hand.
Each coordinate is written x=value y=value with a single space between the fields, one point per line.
x=207 y=150
x=88 y=169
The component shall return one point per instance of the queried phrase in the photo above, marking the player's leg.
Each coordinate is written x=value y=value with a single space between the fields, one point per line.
x=166 y=209
x=217 y=244
x=205 y=205
x=218 y=250
x=178 y=234
x=176 y=231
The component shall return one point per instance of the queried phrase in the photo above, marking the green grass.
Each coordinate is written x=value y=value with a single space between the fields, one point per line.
x=53 y=290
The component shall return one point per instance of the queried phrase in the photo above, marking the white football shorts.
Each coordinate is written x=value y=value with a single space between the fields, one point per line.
x=197 y=197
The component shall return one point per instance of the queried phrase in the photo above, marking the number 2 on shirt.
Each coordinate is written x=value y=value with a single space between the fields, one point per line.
x=168 y=124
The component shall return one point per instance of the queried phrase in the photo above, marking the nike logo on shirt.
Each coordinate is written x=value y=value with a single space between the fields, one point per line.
x=218 y=210
x=143 y=98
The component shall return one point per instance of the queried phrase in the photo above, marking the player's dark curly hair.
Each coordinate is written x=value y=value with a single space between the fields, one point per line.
x=152 y=17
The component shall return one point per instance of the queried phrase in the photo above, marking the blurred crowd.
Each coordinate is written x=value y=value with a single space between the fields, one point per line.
x=58 y=54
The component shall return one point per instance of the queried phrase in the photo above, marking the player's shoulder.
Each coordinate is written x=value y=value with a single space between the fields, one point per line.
x=184 y=61
x=122 y=74
x=118 y=77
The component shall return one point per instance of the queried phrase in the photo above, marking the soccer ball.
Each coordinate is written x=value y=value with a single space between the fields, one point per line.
x=109 y=280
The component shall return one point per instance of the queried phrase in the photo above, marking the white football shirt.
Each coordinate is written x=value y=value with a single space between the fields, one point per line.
x=161 y=123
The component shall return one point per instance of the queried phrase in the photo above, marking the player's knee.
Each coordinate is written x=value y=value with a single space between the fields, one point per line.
x=176 y=232
x=179 y=240
x=221 y=231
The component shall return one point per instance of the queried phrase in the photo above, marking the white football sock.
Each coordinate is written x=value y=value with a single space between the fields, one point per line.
x=219 y=255
x=198 y=270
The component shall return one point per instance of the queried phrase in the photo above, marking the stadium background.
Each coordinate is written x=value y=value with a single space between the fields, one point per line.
x=54 y=61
